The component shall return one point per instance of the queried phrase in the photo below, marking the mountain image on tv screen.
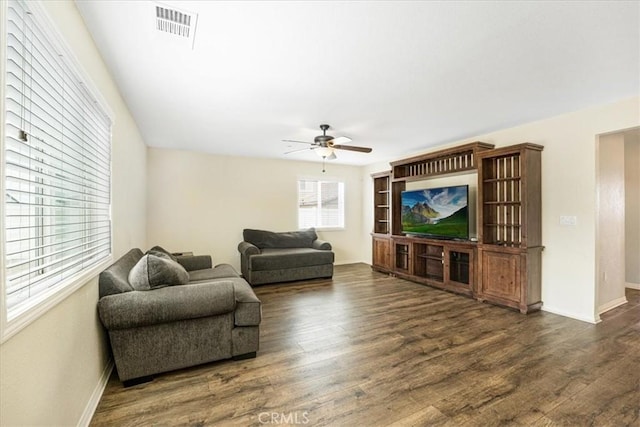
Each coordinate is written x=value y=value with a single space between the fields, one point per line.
x=438 y=212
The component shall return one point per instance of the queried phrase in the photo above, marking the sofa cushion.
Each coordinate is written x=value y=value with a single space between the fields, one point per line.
x=220 y=271
x=155 y=270
x=291 y=239
x=276 y=259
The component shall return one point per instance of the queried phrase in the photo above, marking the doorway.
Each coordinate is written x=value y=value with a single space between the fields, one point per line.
x=618 y=217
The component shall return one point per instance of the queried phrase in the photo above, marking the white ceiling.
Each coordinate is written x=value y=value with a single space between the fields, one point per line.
x=395 y=76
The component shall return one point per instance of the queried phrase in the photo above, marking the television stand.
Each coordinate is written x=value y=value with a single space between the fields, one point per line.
x=504 y=265
x=444 y=264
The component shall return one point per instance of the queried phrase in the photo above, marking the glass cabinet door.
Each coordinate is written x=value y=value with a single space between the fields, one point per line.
x=460 y=267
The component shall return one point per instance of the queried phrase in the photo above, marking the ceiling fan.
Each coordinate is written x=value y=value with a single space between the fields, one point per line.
x=324 y=145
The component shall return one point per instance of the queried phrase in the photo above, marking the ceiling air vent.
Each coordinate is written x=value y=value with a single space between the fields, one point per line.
x=178 y=23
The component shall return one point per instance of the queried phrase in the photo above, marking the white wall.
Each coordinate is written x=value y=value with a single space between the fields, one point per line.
x=611 y=224
x=50 y=370
x=202 y=202
x=632 y=207
x=568 y=188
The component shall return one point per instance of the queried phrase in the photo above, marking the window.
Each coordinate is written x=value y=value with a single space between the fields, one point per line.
x=320 y=204
x=57 y=166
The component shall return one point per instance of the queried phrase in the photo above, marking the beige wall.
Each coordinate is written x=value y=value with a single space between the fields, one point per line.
x=611 y=222
x=632 y=207
x=568 y=188
x=201 y=202
x=50 y=370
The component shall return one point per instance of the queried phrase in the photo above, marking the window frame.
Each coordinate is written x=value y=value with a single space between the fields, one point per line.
x=34 y=308
x=319 y=180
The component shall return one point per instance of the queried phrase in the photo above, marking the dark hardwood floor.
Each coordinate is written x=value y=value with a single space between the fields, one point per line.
x=366 y=349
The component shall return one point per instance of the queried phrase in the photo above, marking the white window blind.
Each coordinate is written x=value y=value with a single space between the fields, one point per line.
x=57 y=161
x=320 y=204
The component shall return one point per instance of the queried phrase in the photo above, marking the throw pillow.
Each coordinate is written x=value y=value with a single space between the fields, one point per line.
x=155 y=271
x=162 y=250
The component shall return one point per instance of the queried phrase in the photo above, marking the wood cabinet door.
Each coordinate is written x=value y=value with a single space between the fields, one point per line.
x=460 y=267
x=501 y=276
x=382 y=253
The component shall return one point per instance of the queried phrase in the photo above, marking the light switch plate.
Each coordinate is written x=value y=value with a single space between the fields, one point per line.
x=568 y=220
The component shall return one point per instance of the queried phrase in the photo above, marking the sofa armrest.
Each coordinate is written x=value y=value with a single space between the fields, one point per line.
x=246 y=249
x=322 y=245
x=195 y=262
x=248 y=306
x=173 y=303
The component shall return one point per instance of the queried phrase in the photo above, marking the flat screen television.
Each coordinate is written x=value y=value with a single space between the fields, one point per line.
x=441 y=212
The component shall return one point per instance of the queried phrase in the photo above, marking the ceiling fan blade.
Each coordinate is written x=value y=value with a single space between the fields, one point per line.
x=352 y=148
x=299 y=149
x=341 y=140
x=298 y=142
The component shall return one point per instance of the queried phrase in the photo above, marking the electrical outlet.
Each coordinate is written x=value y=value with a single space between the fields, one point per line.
x=568 y=220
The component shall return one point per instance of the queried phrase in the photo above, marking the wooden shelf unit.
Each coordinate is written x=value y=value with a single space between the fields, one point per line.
x=510 y=231
x=509 y=194
x=504 y=266
x=382 y=203
x=381 y=257
x=443 y=162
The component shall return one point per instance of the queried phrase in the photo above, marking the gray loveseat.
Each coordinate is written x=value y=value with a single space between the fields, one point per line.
x=214 y=316
x=268 y=257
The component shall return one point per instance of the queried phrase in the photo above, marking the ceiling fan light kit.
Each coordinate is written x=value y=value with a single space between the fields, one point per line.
x=325 y=145
x=324 y=151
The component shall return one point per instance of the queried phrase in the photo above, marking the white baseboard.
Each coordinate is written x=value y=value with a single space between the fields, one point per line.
x=92 y=405
x=632 y=285
x=612 y=304
x=564 y=313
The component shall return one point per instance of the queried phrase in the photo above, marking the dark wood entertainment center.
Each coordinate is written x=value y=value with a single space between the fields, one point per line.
x=504 y=265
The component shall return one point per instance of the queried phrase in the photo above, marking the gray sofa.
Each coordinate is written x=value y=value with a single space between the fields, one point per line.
x=214 y=316
x=268 y=257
